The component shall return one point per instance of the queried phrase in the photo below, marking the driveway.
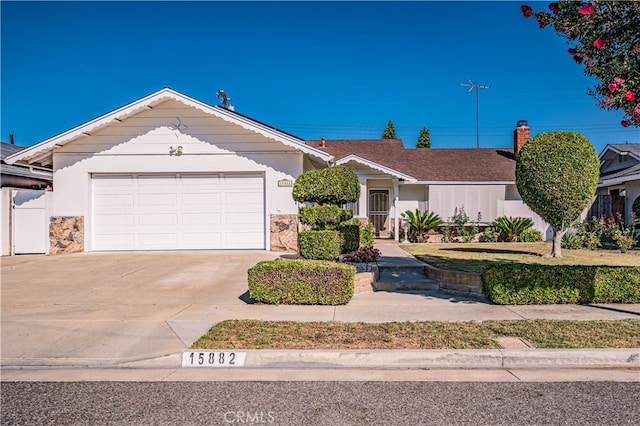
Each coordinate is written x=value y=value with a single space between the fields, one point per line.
x=115 y=308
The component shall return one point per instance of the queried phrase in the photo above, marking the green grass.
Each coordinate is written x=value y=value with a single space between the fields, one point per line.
x=253 y=334
x=475 y=257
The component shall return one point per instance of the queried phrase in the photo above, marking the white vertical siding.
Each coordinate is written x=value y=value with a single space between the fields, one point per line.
x=443 y=199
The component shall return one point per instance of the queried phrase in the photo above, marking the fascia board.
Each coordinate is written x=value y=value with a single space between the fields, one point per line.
x=475 y=182
x=376 y=166
x=618 y=180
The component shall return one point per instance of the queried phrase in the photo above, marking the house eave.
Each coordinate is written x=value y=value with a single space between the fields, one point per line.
x=376 y=166
x=457 y=182
x=618 y=180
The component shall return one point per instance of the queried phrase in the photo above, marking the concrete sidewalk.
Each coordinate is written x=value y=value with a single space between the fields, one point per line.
x=142 y=310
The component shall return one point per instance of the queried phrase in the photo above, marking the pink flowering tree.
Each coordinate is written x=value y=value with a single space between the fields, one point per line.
x=604 y=37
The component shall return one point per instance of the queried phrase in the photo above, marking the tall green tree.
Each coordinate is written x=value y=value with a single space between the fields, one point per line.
x=557 y=175
x=389 y=131
x=424 y=139
x=604 y=36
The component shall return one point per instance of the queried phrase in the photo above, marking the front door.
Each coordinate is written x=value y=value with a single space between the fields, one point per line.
x=379 y=211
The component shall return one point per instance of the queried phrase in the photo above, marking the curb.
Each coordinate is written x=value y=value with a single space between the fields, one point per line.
x=377 y=359
x=464 y=358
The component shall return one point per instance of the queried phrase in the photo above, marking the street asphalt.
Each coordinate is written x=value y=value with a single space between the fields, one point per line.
x=134 y=314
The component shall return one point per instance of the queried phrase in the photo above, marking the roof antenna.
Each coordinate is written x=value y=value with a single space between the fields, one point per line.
x=222 y=97
x=472 y=86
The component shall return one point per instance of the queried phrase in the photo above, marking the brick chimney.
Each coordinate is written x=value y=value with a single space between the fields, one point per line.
x=521 y=135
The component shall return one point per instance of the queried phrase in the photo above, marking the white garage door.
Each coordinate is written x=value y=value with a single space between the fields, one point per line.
x=178 y=211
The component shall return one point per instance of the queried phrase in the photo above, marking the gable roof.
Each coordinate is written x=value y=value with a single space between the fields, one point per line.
x=455 y=165
x=43 y=151
x=631 y=149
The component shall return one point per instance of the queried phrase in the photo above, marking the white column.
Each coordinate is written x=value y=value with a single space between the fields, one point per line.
x=396 y=200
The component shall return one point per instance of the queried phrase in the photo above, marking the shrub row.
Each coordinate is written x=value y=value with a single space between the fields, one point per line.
x=301 y=282
x=549 y=284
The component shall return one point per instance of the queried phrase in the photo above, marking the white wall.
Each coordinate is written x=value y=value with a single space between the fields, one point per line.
x=5 y=222
x=412 y=197
x=632 y=192
x=141 y=144
x=443 y=199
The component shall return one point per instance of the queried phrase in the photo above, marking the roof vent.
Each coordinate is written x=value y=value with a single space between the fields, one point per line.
x=522 y=123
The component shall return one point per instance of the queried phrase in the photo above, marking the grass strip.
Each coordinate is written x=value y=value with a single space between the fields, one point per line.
x=561 y=334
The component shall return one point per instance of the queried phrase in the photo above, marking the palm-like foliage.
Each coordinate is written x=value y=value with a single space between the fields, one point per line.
x=512 y=227
x=420 y=223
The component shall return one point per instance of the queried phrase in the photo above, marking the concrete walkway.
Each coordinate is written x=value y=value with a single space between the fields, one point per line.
x=142 y=310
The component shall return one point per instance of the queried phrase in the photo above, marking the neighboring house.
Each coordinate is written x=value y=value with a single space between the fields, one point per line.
x=619 y=182
x=168 y=172
x=22 y=188
x=395 y=179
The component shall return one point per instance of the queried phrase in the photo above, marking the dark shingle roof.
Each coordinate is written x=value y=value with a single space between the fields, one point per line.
x=432 y=164
x=630 y=147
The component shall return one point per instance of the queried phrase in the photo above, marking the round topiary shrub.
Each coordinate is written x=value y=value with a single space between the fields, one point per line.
x=557 y=175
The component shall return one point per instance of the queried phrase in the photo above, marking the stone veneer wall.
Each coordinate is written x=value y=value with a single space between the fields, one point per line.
x=284 y=232
x=66 y=234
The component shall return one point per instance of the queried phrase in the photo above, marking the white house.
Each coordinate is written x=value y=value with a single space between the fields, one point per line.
x=168 y=172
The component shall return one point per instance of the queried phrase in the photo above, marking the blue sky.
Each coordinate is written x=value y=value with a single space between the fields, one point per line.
x=314 y=69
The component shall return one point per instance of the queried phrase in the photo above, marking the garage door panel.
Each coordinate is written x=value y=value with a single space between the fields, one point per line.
x=157 y=219
x=157 y=200
x=113 y=201
x=200 y=199
x=116 y=220
x=201 y=240
x=178 y=211
x=198 y=219
x=152 y=241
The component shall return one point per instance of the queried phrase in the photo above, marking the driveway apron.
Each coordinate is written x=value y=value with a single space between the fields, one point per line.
x=113 y=308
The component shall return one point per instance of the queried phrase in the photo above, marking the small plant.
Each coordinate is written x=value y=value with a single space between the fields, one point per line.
x=623 y=237
x=362 y=255
x=572 y=241
x=615 y=229
x=530 y=236
x=511 y=227
x=460 y=227
x=420 y=223
x=490 y=235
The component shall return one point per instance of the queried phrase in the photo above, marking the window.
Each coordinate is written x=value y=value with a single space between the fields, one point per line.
x=353 y=207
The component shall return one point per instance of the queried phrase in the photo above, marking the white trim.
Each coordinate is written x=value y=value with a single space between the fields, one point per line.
x=376 y=166
x=618 y=152
x=618 y=180
x=459 y=182
x=46 y=147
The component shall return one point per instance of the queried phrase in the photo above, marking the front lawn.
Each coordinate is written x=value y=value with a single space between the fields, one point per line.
x=475 y=257
x=253 y=334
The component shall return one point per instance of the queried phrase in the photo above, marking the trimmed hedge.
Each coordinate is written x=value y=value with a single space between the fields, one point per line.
x=301 y=282
x=333 y=185
x=320 y=245
x=547 y=284
x=320 y=217
x=350 y=236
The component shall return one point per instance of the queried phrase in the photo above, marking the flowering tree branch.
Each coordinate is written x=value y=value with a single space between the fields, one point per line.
x=605 y=37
